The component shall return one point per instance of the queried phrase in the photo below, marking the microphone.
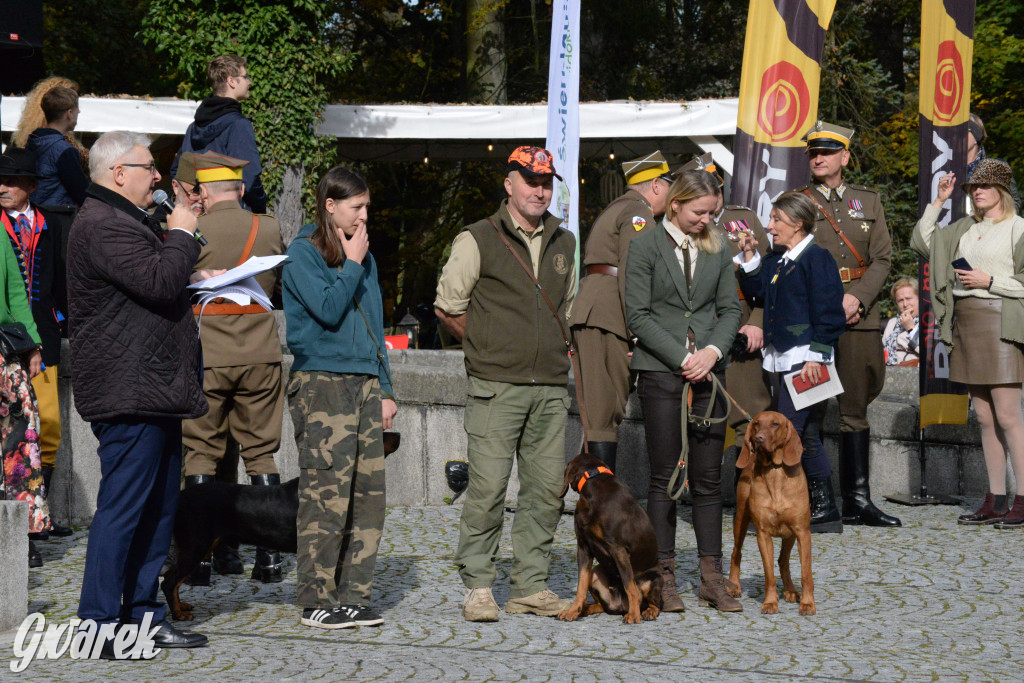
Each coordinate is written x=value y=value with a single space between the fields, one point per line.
x=160 y=197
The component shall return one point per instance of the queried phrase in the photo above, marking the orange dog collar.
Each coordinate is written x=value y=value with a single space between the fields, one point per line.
x=593 y=472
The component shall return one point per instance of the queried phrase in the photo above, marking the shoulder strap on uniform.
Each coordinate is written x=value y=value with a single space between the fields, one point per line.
x=251 y=241
x=832 y=222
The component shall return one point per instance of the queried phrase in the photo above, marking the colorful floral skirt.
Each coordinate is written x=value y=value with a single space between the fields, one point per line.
x=19 y=434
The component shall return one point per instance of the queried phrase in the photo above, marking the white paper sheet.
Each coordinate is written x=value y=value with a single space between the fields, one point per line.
x=816 y=394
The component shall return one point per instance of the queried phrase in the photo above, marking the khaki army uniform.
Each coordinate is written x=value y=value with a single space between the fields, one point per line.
x=598 y=319
x=744 y=378
x=858 y=212
x=241 y=353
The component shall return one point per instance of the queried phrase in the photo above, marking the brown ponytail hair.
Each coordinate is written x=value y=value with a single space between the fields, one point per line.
x=339 y=183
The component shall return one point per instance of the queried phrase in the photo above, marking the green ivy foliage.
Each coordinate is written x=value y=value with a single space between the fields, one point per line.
x=288 y=61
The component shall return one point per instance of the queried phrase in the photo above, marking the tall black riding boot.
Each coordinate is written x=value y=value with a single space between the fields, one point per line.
x=268 y=562
x=853 y=480
x=55 y=529
x=604 y=450
x=825 y=517
x=200 y=576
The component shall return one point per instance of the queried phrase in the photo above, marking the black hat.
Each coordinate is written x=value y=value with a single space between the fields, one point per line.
x=18 y=162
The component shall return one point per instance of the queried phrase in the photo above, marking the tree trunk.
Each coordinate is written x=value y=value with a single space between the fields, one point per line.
x=486 y=62
x=288 y=207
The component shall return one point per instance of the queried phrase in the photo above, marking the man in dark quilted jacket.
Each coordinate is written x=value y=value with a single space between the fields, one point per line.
x=136 y=374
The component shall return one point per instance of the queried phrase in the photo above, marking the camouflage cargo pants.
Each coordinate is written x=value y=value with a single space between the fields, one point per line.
x=339 y=434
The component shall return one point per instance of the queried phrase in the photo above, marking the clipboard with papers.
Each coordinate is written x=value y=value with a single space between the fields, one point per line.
x=806 y=394
x=237 y=285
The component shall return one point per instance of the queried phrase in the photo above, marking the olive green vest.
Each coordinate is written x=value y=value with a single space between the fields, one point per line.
x=511 y=335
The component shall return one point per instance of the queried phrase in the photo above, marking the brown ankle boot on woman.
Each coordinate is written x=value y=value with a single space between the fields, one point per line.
x=670 y=600
x=1014 y=519
x=986 y=514
x=713 y=592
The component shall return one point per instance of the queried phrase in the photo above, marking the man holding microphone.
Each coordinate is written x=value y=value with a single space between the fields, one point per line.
x=136 y=374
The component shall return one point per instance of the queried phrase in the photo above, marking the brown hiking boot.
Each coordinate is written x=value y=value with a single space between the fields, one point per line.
x=670 y=600
x=713 y=591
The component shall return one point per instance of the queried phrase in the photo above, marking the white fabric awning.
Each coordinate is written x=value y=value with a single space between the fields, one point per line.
x=600 y=120
x=612 y=120
x=387 y=126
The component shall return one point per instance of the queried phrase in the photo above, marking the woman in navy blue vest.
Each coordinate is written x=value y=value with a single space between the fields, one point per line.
x=802 y=297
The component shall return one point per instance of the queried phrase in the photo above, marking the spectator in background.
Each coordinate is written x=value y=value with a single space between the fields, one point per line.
x=37 y=248
x=979 y=314
x=21 y=478
x=220 y=127
x=902 y=333
x=59 y=159
x=976 y=137
x=135 y=371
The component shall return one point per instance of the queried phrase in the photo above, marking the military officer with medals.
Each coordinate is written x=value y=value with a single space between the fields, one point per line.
x=241 y=348
x=744 y=377
x=598 y=318
x=851 y=226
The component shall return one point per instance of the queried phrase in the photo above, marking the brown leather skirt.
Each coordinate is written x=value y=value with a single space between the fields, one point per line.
x=979 y=356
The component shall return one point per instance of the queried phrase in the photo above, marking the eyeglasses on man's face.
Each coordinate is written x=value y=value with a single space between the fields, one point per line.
x=150 y=167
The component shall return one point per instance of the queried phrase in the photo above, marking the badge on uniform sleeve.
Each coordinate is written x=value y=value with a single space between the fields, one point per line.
x=639 y=223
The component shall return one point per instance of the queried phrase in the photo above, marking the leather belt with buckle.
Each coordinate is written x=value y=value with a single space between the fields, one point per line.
x=848 y=274
x=601 y=269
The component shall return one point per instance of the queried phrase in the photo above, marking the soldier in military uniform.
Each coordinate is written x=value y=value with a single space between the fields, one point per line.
x=744 y=377
x=241 y=347
x=851 y=226
x=598 y=322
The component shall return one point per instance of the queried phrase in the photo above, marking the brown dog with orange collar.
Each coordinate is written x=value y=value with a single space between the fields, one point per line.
x=613 y=529
x=772 y=493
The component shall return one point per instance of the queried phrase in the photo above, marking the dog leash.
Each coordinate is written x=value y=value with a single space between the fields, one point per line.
x=682 y=471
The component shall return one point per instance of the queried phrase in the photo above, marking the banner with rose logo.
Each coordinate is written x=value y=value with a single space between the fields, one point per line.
x=947 y=48
x=778 y=98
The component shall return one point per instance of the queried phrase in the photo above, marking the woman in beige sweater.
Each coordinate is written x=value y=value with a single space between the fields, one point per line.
x=979 y=309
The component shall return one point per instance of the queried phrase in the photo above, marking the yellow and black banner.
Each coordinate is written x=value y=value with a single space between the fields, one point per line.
x=947 y=48
x=778 y=98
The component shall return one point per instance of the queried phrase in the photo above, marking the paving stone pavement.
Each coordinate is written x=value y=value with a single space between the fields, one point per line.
x=932 y=601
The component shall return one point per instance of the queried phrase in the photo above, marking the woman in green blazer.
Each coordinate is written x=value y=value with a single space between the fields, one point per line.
x=684 y=324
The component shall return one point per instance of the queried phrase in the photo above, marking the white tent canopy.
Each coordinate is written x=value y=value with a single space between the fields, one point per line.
x=393 y=126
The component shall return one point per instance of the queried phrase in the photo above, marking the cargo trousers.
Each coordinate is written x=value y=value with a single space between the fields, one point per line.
x=508 y=423
x=339 y=434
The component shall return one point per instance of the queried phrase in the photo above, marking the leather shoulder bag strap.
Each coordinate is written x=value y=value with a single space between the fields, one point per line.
x=251 y=241
x=835 y=226
x=584 y=420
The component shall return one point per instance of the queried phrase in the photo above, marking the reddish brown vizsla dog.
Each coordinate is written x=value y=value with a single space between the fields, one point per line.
x=772 y=493
x=613 y=529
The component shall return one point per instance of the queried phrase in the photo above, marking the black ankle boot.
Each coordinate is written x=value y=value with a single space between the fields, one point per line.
x=200 y=576
x=853 y=480
x=605 y=450
x=226 y=560
x=55 y=529
x=34 y=558
x=825 y=517
x=268 y=567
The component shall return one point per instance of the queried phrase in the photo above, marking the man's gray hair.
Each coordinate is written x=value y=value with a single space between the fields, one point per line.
x=110 y=147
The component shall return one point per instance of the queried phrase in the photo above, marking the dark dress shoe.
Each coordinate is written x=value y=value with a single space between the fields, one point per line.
x=107 y=652
x=39 y=535
x=34 y=558
x=58 y=530
x=168 y=636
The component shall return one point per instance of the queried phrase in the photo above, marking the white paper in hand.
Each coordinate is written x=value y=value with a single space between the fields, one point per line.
x=804 y=395
x=254 y=266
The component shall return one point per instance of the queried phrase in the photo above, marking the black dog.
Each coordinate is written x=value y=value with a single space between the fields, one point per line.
x=256 y=515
